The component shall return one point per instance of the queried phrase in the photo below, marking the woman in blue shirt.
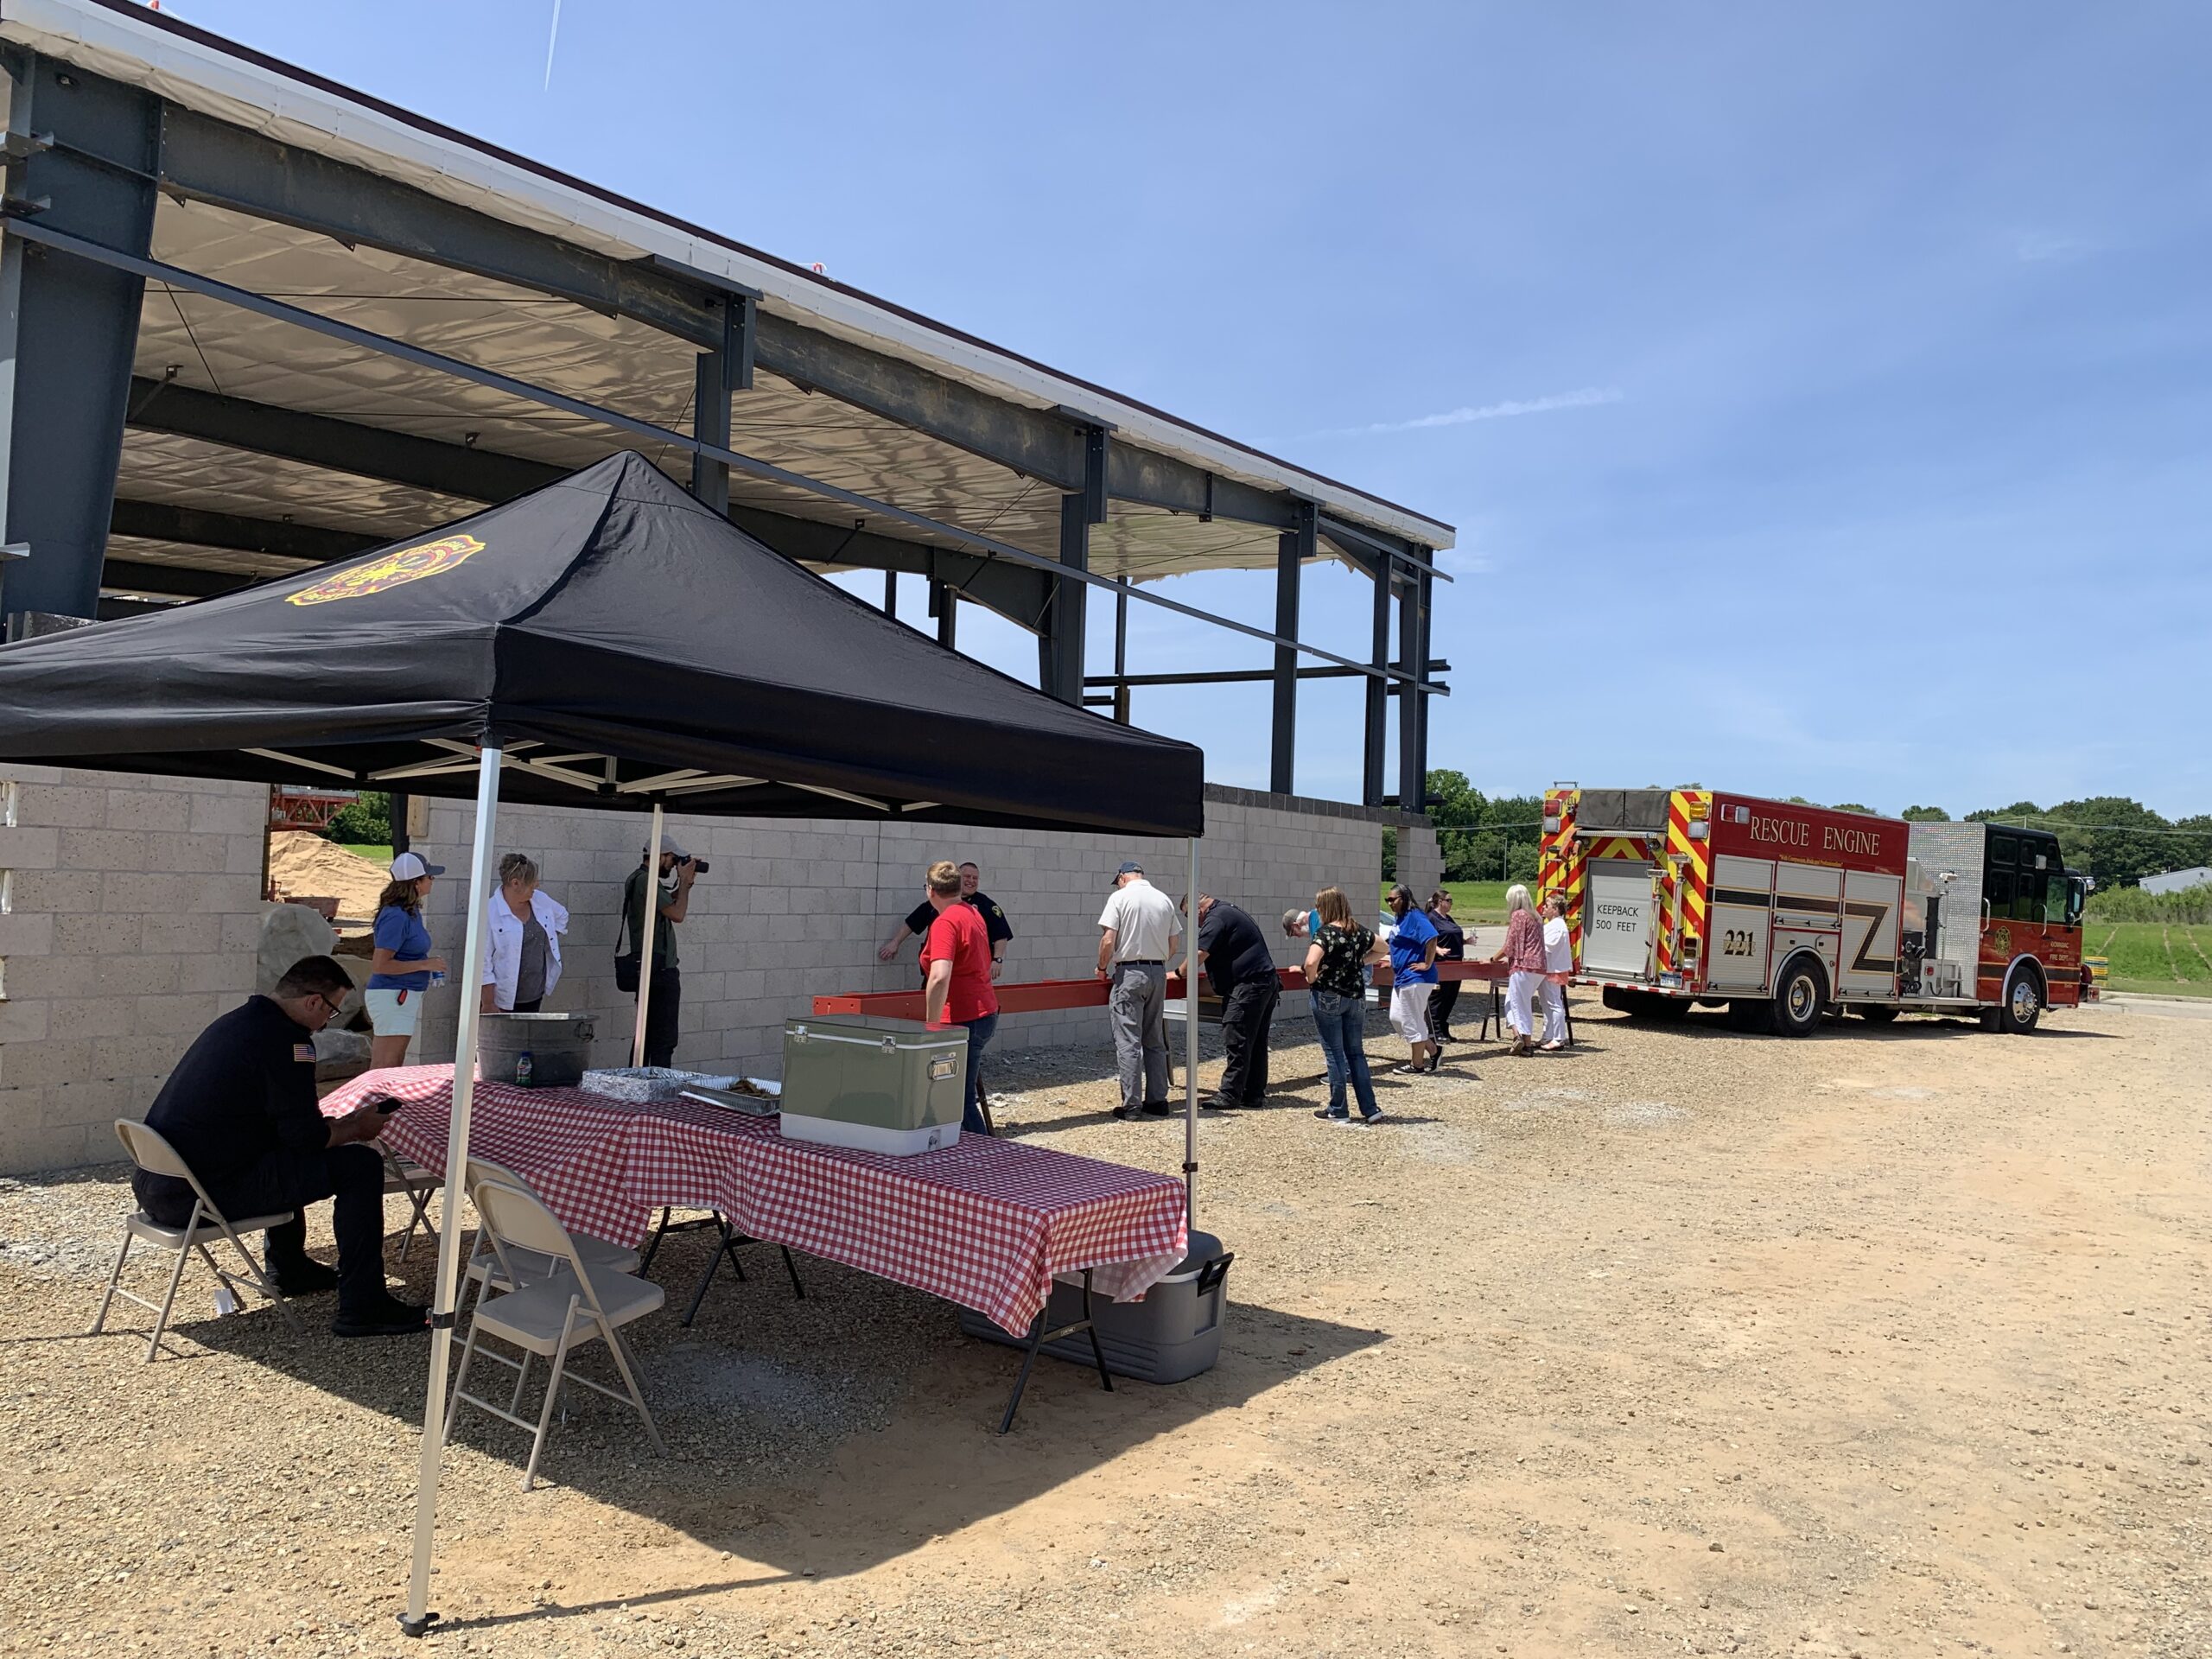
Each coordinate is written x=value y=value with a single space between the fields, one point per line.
x=400 y=971
x=1413 y=977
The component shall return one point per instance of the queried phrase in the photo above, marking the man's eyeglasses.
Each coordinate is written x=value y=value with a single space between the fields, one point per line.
x=330 y=1008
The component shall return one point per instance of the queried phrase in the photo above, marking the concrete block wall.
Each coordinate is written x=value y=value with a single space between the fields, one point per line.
x=130 y=909
x=792 y=909
x=1420 y=859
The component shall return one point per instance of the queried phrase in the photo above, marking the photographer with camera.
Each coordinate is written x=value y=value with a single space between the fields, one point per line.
x=672 y=896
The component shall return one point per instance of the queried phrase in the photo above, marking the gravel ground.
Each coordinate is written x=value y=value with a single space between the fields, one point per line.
x=1888 y=1342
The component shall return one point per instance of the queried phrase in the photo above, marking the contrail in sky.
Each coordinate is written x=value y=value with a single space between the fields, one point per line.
x=549 y=41
x=1586 y=398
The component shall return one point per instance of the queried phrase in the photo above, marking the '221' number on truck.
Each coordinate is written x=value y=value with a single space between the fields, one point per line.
x=1735 y=942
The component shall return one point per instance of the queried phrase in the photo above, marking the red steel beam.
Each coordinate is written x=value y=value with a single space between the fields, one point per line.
x=1041 y=995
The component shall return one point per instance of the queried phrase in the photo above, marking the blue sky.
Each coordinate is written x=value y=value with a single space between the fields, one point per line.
x=1823 y=399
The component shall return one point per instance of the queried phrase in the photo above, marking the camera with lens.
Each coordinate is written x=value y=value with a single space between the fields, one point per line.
x=698 y=865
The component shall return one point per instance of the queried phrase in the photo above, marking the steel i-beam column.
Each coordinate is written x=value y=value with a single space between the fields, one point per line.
x=944 y=606
x=1293 y=548
x=1059 y=645
x=1121 y=654
x=1413 y=705
x=67 y=329
x=1378 y=694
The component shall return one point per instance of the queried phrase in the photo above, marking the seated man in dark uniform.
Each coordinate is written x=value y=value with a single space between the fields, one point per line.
x=240 y=1110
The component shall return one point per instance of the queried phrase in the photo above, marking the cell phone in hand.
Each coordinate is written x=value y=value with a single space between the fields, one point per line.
x=383 y=1104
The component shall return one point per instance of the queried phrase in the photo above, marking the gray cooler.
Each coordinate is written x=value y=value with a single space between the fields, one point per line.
x=893 y=1086
x=1172 y=1335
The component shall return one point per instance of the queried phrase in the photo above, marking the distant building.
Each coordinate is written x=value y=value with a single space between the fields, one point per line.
x=2174 y=881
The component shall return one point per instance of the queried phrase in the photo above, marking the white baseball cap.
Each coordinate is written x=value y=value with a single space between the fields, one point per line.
x=409 y=867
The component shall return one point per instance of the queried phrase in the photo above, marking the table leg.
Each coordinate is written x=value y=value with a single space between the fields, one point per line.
x=1039 y=1336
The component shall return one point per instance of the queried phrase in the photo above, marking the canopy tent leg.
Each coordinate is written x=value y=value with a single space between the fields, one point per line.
x=417 y=1619
x=645 y=929
x=1191 y=1048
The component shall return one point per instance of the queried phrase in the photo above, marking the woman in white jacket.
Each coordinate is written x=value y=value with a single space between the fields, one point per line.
x=522 y=956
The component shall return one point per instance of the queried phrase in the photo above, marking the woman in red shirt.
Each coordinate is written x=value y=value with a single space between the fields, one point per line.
x=957 y=956
x=1524 y=954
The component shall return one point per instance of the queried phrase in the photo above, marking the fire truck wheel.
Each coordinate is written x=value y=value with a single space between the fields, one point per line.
x=1754 y=1017
x=2023 y=1002
x=1616 y=999
x=1799 y=996
x=1877 y=1015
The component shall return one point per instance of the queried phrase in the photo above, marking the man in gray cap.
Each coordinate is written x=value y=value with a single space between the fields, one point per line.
x=1138 y=932
x=672 y=895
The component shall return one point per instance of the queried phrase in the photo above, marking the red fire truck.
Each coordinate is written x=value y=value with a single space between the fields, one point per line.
x=1783 y=913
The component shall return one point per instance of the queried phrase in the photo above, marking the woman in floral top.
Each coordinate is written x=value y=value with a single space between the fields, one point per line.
x=1333 y=962
x=1524 y=955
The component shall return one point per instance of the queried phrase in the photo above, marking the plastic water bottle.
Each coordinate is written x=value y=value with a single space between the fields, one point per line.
x=226 y=1301
x=436 y=979
x=523 y=1069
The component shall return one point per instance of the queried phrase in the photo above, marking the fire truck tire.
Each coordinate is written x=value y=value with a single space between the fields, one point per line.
x=1617 y=999
x=2023 y=1004
x=1877 y=1015
x=1800 y=994
x=1753 y=1016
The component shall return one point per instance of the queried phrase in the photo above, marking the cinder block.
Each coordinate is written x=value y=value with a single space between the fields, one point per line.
x=25 y=933
x=94 y=934
x=37 y=1066
x=105 y=850
x=245 y=856
x=23 y=1019
x=214 y=973
x=89 y=1018
x=25 y=848
x=230 y=812
x=95 y=1106
x=61 y=805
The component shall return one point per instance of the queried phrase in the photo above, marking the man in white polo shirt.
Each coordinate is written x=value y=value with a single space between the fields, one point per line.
x=1138 y=932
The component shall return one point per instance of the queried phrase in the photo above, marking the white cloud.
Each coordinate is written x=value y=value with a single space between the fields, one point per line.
x=1587 y=398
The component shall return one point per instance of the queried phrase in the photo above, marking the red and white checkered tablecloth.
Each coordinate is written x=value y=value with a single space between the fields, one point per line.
x=986 y=1223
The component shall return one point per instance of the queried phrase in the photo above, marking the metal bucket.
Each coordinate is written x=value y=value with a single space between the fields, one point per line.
x=559 y=1047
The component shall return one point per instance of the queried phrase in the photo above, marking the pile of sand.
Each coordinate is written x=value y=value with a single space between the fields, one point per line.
x=302 y=865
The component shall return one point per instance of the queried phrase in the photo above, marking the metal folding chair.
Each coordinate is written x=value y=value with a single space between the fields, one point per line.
x=151 y=1153
x=489 y=1273
x=420 y=1186
x=550 y=1317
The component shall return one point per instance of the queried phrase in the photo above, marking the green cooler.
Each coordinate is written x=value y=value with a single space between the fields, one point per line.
x=893 y=1086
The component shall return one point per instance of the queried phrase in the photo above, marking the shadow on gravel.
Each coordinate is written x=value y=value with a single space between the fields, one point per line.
x=1708 y=1025
x=817 y=1437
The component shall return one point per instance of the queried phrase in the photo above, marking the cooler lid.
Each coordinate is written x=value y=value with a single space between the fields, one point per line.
x=875 y=1028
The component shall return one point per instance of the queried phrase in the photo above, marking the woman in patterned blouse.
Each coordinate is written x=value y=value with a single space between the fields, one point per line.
x=1333 y=962
x=1524 y=955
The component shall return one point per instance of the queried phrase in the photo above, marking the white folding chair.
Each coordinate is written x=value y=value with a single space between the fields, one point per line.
x=420 y=1186
x=550 y=1317
x=149 y=1152
x=486 y=1271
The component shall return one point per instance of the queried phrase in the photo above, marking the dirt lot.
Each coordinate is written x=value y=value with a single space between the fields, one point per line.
x=1883 y=1343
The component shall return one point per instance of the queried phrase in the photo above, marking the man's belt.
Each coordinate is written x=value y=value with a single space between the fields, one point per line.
x=1141 y=962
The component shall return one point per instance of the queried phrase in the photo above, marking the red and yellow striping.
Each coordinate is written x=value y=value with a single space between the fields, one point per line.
x=1685 y=883
x=1560 y=861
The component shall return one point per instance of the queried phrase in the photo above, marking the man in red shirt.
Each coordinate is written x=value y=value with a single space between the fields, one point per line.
x=957 y=956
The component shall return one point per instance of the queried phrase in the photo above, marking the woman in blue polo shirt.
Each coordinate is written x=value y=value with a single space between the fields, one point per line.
x=400 y=971
x=1413 y=977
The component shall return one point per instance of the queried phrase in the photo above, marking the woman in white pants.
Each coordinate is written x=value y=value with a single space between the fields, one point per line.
x=1559 y=962
x=1524 y=954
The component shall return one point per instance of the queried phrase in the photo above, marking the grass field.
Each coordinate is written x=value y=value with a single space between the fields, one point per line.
x=1475 y=903
x=364 y=849
x=2154 y=956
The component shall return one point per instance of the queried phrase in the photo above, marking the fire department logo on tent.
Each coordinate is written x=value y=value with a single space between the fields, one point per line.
x=393 y=570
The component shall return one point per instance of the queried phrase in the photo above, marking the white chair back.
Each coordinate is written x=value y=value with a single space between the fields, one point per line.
x=514 y=1219
x=150 y=1150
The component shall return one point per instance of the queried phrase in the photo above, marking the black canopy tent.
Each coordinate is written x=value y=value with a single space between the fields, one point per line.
x=604 y=641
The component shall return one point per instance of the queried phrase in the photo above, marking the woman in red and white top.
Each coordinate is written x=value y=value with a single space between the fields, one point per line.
x=956 y=957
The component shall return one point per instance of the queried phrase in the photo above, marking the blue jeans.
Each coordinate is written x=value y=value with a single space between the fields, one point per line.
x=1342 y=1022
x=979 y=1038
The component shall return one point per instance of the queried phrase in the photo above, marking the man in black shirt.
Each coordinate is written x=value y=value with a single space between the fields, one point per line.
x=916 y=923
x=240 y=1110
x=1243 y=974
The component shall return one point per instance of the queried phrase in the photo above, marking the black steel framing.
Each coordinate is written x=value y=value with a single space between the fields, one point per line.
x=140 y=142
